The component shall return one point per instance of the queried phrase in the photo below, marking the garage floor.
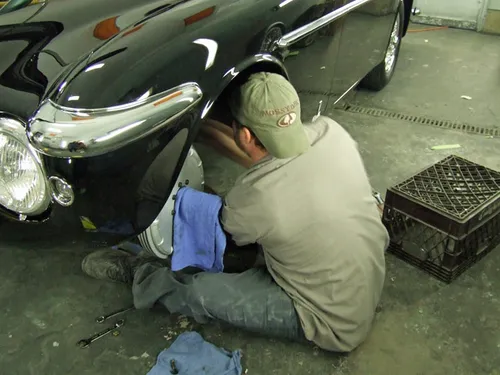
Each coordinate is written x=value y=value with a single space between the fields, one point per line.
x=425 y=327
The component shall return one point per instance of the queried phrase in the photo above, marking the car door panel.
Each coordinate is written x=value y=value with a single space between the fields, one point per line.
x=349 y=39
x=310 y=60
x=364 y=37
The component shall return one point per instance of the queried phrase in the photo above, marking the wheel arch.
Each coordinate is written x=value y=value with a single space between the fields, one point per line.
x=217 y=102
x=261 y=62
x=216 y=105
x=182 y=140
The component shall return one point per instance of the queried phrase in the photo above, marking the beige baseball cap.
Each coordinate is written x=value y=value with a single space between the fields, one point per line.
x=269 y=105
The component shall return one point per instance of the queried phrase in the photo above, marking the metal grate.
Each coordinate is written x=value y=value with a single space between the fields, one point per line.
x=454 y=185
x=321 y=93
x=423 y=120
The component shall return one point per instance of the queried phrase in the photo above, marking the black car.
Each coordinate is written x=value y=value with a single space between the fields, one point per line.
x=101 y=101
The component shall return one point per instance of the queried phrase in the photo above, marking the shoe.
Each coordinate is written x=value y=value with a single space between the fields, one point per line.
x=113 y=265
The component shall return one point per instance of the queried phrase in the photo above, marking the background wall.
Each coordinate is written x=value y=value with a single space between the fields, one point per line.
x=478 y=15
x=491 y=22
x=465 y=10
x=494 y=5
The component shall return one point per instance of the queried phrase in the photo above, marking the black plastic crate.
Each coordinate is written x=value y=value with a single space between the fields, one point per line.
x=445 y=218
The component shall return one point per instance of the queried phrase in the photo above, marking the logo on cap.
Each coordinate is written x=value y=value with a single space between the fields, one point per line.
x=287 y=119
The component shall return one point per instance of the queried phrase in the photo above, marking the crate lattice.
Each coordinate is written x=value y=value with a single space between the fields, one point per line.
x=445 y=218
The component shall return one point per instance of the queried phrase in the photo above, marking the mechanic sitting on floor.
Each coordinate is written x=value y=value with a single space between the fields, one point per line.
x=306 y=200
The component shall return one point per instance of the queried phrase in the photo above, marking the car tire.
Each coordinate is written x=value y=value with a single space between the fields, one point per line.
x=382 y=74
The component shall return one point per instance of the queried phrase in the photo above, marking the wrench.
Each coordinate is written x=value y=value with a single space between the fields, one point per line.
x=319 y=111
x=103 y=318
x=86 y=342
x=378 y=197
x=173 y=367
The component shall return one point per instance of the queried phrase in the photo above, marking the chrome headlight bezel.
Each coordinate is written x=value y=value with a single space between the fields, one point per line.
x=15 y=129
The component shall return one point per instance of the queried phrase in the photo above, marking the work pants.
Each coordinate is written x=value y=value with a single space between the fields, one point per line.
x=250 y=300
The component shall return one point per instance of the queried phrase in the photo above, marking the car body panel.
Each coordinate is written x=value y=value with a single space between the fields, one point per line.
x=19 y=13
x=91 y=23
x=344 y=52
x=363 y=43
x=142 y=48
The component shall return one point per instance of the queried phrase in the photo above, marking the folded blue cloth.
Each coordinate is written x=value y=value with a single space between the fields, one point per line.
x=199 y=240
x=194 y=356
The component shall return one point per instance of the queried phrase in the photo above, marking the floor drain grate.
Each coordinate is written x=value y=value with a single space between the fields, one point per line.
x=445 y=124
x=319 y=93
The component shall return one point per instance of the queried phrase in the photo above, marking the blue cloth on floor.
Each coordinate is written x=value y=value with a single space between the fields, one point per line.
x=199 y=240
x=195 y=356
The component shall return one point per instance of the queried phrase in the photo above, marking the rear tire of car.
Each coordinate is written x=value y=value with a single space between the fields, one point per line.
x=382 y=74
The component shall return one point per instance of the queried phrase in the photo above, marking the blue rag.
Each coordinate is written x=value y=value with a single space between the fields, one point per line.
x=194 y=356
x=199 y=240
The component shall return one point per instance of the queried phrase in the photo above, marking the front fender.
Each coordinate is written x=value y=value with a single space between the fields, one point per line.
x=117 y=195
x=120 y=193
x=122 y=187
x=144 y=59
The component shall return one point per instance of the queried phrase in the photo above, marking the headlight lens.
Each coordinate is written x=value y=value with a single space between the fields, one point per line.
x=23 y=187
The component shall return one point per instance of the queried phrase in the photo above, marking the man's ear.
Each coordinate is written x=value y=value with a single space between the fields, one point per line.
x=246 y=134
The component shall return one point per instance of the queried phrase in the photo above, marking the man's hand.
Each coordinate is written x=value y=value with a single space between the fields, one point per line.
x=220 y=137
x=217 y=125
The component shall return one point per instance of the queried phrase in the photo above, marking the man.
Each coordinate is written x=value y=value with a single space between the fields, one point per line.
x=306 y=200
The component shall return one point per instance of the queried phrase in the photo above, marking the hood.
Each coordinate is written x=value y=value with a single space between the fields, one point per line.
x=41 y=41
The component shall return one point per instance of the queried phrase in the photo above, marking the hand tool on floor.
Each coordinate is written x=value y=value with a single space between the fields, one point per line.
x=173 y=367
x=320 y=104
x=86 y=342
x=103 y=318
x=380 y=202
x=378 y=197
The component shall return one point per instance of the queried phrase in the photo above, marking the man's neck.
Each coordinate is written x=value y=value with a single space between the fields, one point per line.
x=257 y=157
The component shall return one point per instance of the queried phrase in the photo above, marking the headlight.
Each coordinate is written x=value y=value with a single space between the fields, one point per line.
x=23 y=186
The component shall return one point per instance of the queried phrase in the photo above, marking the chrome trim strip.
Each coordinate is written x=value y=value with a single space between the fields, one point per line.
x=293 y=36
x=72 y=132
x=347 y=91
x=57 y=197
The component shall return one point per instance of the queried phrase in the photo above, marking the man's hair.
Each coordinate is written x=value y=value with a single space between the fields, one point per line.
x=257 y=140
x=232 y=101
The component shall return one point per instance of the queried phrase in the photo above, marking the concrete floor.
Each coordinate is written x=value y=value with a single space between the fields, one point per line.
x=437 y=68
x=425 y=327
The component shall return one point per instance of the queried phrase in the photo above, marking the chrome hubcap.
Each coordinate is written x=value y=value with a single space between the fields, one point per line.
x=390 y=55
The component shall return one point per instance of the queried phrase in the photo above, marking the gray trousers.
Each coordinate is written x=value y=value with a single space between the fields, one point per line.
x=250 y=300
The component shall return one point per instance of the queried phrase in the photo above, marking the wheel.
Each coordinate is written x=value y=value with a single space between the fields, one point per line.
x=157 y=240
x=408 y=6
x=381 y=75
x=272 y=36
